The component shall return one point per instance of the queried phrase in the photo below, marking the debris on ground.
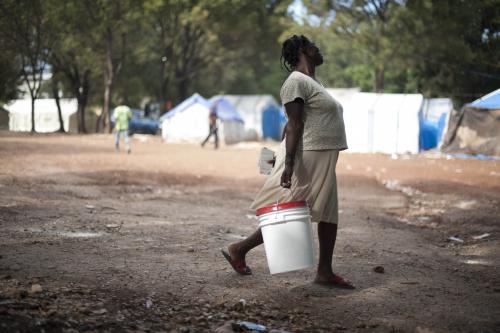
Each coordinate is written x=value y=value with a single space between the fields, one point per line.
x=248 y=325
x=226 y=328
x=379 y=269
x=148 y=303
x=481 y=236
x=456 y=239
x=35 y=288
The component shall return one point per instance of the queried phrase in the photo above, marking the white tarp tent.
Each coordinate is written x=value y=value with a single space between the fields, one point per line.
x=188 y=122
x=46 y=117
x=384 y=123
x=251 y=109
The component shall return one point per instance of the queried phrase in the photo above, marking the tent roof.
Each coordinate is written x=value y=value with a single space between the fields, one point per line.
x=248 y=104
x=194 y=99
x=226 y=109
x=490 y=101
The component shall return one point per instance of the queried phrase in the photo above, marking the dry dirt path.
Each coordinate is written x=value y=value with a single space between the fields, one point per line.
x=91 y=240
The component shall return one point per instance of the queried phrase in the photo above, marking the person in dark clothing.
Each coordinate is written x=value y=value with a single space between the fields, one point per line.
x=213 y=129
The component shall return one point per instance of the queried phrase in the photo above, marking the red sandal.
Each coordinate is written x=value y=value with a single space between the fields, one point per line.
x=337 y=282
x=239 y=267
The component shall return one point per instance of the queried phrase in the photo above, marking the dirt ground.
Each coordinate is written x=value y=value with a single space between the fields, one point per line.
x=92 y=240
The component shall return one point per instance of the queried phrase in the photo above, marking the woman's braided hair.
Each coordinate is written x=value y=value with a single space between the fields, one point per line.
x=291 y=49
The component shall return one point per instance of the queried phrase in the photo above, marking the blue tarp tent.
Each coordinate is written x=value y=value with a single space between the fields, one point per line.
x=432 y=119
x=273 y=121
x=262 y=115
x=490 y=101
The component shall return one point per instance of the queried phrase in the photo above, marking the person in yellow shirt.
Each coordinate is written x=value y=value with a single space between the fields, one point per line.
x=122 y=115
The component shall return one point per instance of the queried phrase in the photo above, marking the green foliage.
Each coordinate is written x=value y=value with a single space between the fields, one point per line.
x=160 y=50
x=439 y=48
x=10 y=75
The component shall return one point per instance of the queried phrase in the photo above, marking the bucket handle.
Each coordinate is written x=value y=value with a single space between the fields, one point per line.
x=278 y=198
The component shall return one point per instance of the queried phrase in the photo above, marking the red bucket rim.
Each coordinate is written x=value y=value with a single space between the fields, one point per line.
x=280 y=206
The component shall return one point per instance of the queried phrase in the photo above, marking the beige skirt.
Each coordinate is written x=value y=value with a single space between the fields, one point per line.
x=314 y=180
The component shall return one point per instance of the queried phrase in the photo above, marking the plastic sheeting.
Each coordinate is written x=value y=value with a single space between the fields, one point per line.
x=273 y=122
x=252 y=109
x=46 y=116
x=384 y=123
x=433 y=120
x=188 y=122
x=225 y=110
x=475 y=129
x=490 y=101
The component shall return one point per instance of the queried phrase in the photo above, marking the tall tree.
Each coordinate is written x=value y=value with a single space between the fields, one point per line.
x=71 y=54
x=55 y=81
x=23 y=25
x=112 y=22
x=10 y=72
x=205 y=46
x=371 y=26
x=454 y=46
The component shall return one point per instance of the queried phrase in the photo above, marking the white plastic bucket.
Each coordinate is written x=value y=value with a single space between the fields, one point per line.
x=287 y=233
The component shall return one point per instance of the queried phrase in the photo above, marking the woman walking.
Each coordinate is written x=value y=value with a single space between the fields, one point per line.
x=305 y=163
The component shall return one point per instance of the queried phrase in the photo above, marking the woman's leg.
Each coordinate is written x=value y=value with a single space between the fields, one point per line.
x=327 y=235
x=238 y=250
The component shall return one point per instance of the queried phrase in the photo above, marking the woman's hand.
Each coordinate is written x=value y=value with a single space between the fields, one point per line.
x=286 y=176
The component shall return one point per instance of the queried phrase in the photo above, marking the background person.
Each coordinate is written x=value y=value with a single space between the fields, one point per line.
x=212 y=125
x=122 y=114
x=314 y=135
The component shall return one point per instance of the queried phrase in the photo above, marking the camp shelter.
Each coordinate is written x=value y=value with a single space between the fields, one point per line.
x=433 y=118
x=46 y=114
x=263 y=117
x=4 y=119
x=91 y=118
x=343 y=95
x=475 y=129
x=188 y=121
x=384 y=123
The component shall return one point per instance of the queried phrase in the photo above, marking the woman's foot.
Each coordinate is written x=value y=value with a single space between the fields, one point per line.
x=333 y=280
x=235 y=252
x=235 y=258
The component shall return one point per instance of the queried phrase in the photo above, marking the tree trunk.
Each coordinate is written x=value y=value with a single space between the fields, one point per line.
x=55 y=93
x=81 y=114
x=108 y=82
x=33 y=114
x=379 y=79
x=84 y=96
x=163 y=88
x=108 y=86
x=183 y=87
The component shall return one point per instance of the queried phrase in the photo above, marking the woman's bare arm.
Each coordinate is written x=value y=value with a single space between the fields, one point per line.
x=293 y=133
